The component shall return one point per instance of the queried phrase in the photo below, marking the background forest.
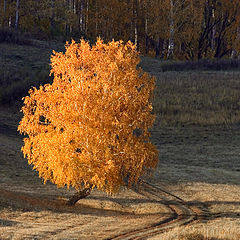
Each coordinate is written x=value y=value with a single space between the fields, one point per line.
x=172 y=29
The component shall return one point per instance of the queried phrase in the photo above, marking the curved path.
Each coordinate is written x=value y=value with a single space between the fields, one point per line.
x=181 y=213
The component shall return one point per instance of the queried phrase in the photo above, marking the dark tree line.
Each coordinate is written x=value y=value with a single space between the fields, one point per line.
x=180 y=29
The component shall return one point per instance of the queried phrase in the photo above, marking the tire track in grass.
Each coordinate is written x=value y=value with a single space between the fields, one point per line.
x=181 y=213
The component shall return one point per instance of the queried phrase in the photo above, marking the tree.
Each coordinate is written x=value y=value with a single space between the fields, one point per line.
x=179 y=29
x=7 y=13
x=90 y=127
x=17 y=14
x=3 y=13
x=210 y=29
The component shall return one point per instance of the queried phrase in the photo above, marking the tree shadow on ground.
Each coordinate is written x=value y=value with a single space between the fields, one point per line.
x=27 y=202
x=7 y=223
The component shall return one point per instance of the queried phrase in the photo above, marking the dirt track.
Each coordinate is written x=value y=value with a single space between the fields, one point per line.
x=31 y=210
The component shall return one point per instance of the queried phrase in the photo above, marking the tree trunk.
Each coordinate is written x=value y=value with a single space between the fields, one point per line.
x=81 y=16
x=146 y=36
x=158 y=47
x=135 y=16
x=213 y=35
x=96 y=19
x=52 y=22
x=164 y=49
x=79 y=195
x=4 y=13
x=86 y=17
x=172 y=32
x=17 y=14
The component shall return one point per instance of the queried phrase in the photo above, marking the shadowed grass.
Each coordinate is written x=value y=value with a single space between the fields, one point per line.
x=23 y=67
x=186 y=97
x=200 y=65
x=195 y=97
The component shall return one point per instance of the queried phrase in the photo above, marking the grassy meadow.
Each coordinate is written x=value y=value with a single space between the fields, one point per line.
x=22 y=67
x=206 y=92
x=199 y=93
x=194 y=96
x=197 y=107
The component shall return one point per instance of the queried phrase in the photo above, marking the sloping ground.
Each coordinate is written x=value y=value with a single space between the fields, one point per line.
x=29 y=209
x=200 y=165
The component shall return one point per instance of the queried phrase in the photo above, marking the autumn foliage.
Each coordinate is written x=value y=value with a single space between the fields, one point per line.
x=178 y=29
x=90 y=127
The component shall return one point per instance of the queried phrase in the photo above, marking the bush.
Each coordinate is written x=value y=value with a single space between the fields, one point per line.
x=90 y=128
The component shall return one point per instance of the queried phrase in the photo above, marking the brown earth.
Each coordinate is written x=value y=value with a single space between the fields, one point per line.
x=199 y=164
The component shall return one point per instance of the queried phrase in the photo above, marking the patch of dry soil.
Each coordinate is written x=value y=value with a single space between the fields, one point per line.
x=200 y=165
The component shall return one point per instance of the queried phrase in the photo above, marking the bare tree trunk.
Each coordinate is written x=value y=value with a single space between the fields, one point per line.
x=158 y=46
x=86 y=17
x=79 y=195
x=10 y=22
x=164 y=49
x=146 y=36
x=70 y=6
x=74 y=7
x=81 y=16
x=135 y=34
x=17 y=14
x=96 y=19
x=135 y=12
x=4 y=12
x=52 y=15
x=213 y=45
x=4 y=6
x=172 y=31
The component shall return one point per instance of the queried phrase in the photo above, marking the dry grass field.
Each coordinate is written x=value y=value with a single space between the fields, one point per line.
x=197 y=133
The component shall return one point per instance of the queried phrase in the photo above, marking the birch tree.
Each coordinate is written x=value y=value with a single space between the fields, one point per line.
x=90 y=127
x=17 y=14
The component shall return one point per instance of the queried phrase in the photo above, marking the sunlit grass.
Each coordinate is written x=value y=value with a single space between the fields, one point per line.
x=223 y=231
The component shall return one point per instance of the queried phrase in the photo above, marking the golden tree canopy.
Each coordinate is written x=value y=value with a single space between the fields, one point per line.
x=90 y=127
